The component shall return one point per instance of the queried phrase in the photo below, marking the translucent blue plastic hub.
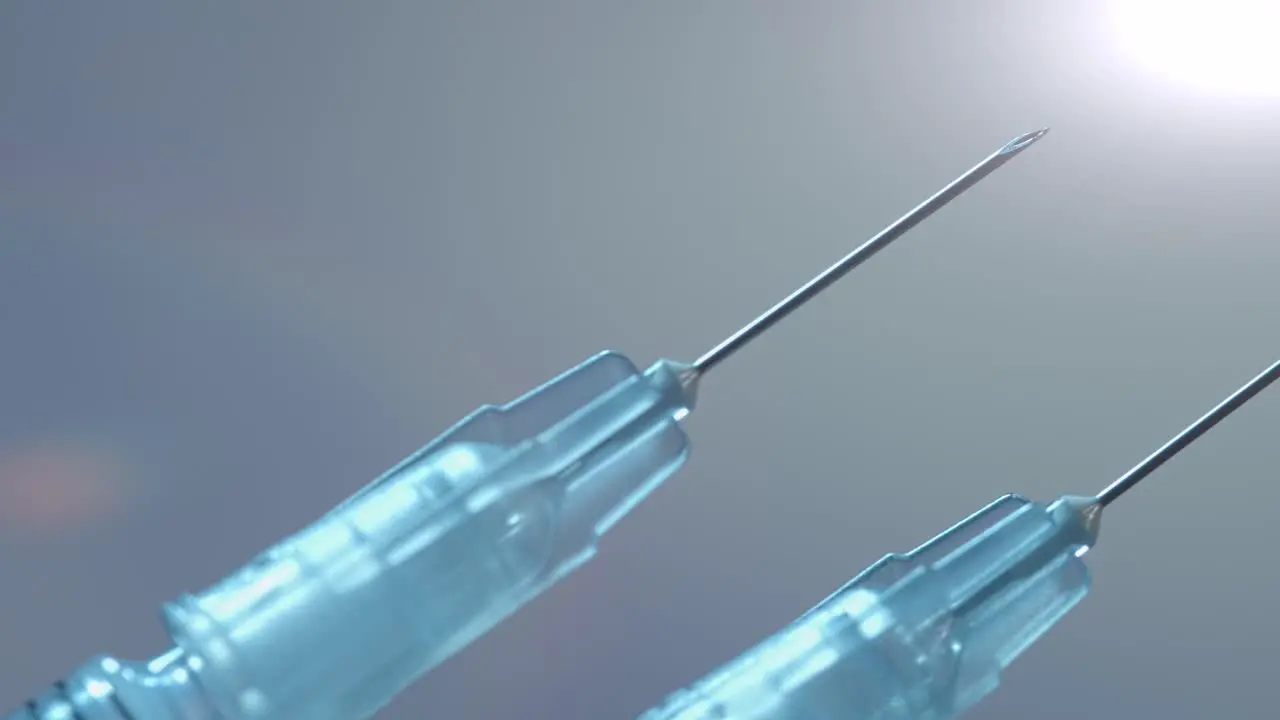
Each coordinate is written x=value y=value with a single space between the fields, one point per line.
x=921 y=636
x=331 y=623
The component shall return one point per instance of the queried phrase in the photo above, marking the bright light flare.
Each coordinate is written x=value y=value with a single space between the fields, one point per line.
x=1221 y=46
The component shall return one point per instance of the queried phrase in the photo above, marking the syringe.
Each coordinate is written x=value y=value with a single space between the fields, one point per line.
x=925 y=635
x=331 y=623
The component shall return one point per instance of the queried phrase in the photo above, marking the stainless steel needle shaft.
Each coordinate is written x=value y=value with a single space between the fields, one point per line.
x=1125 y=482
x=826 y=278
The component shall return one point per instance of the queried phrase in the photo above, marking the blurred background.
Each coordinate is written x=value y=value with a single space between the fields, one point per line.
x=251 y=254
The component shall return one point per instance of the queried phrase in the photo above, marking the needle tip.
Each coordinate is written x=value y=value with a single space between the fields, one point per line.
x=1023 y=141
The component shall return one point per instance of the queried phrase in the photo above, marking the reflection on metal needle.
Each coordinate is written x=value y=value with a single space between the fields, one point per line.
x=826 y=278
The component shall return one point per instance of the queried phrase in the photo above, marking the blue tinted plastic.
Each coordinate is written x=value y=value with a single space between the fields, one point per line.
x=331 y=623
x=920 y=636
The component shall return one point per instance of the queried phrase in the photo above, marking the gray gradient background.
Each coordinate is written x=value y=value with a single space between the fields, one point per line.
x=253 y=253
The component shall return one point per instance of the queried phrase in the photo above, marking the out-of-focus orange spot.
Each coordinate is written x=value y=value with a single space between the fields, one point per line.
x=57 y=488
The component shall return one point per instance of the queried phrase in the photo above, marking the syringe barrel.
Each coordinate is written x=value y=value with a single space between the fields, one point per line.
x=921 y=636
x=332 y=622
